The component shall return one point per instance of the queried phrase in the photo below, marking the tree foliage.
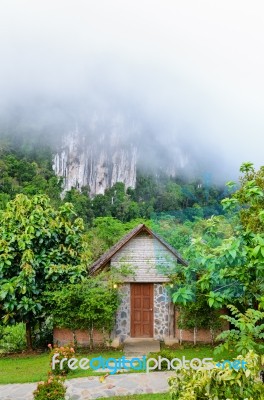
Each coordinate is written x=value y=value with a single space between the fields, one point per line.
x=219 y=382
x=40 y=248
x=198 y=315
x=89 y=305
x=228 y=265
x=105 y=232
x=22 y=173
x=251 y=197
x=246 y=334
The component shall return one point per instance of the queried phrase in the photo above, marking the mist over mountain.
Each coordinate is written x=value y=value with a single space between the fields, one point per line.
x=99 y=145
x=176 y=87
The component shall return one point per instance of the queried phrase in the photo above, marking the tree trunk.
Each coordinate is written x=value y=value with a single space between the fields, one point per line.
x=180 y=309
x=180 y=336
x=171 y=320
x=212 y=336
x=104 y=336
x=91 y=337
x=195 y=335
x=75 y=343
x=29 y=336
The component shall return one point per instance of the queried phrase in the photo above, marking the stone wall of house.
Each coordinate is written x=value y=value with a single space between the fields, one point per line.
x=122 y=326
x=161 y=312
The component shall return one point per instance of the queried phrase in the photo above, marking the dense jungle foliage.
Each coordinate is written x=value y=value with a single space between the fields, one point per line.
x=28 y=169
x=218 y=230
x=171 y=206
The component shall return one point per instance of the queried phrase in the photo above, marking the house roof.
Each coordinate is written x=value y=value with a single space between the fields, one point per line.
x=106 y=257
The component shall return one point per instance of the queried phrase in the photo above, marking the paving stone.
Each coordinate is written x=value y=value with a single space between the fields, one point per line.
x=92 y=388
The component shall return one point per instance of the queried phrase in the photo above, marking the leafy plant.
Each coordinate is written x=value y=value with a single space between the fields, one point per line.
x=62 y=353
x=89 y=305
x=169 y=354
x=199 y=315
x=40 y=248
x=13 y=338
x=247 y=334
x=219 y=383
x=52 y=389
x=226 y=256
x=43 y=333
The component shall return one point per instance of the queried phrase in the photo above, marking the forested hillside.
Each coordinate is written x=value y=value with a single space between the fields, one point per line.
x=171 y=206
x=218 y=230
x=190 y=215
x=28 y=170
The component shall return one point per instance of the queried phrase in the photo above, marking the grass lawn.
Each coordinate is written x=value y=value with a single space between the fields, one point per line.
x=34 y=368
x=150 y=396
x=202 y=351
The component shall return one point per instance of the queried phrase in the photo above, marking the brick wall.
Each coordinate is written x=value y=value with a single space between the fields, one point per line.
x=63 y=336
x=202 y=335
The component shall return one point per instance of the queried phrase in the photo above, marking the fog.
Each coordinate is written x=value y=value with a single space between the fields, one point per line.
x=187 y=74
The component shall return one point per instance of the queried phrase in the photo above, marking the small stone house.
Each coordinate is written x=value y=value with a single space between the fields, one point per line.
x=146 y=310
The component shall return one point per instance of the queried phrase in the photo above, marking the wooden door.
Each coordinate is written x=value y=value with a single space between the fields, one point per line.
x=142 y=310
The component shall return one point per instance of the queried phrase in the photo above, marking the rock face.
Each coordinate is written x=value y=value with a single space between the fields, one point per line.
x=108 y=148
x=97 y=162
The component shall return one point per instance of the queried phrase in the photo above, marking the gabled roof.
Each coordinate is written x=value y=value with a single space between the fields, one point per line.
x=106 y=257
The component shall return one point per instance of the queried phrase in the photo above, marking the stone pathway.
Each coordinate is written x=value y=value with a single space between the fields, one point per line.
x=140 y=347
x=91 y=387
x=17 y=391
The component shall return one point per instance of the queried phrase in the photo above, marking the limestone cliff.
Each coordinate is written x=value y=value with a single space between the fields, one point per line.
x=108 y=149
x=97 y=164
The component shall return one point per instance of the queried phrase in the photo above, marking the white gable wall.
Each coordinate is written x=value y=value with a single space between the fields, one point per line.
x=147 y=257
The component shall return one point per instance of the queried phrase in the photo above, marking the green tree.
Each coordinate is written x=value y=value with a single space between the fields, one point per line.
x=247 y=334
x=219 y=383
x=31 y=176
x=105 y=232
x=171 y=198
x=198 y=315
x=82 y=204
x=146 y=188
x=89 y=305
x=251 y=197
x=101 y=206
x=227 y=256
x=40 y=248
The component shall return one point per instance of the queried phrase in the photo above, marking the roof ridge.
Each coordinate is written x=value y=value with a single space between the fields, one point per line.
x=103 y=260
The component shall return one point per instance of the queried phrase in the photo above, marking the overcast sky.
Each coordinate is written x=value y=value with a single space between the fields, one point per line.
x=192 y=68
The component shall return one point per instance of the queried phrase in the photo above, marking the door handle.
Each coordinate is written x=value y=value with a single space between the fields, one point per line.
x=150 y=309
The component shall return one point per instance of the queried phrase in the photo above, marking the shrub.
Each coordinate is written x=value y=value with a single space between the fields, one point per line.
x=52 y=389
x=43 y=334
x=248 y=332
x=63 y=352
x=219 y=383
x=13 y=338
x=170 y=355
